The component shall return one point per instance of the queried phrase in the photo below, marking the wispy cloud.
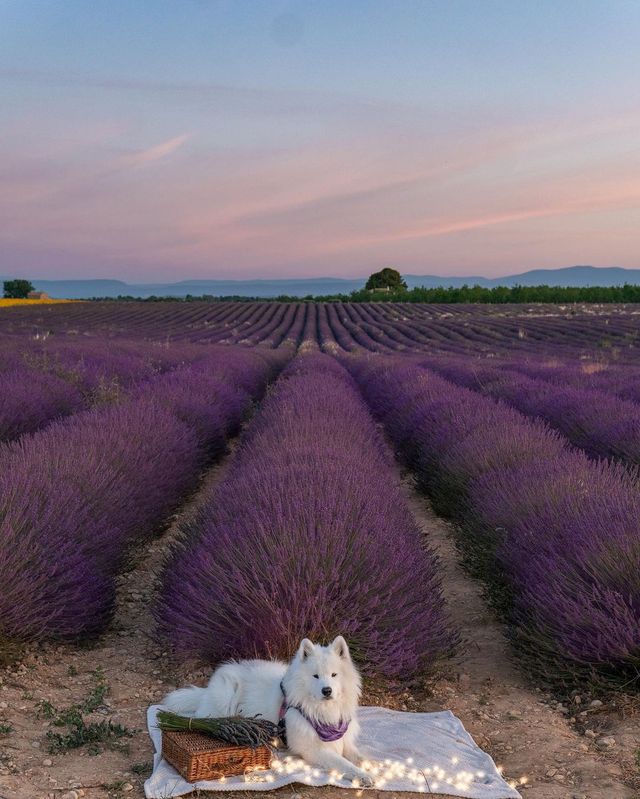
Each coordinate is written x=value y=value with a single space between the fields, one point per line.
x=157 y=151
x=232 y=98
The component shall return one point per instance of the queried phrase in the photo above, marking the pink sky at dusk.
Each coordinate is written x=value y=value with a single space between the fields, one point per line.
x=200 y=170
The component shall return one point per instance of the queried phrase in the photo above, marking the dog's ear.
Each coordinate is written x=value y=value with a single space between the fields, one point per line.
x=305 y=649
x=339 y=646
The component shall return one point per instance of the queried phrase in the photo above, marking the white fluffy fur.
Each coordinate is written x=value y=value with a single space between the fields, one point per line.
x=252 y=687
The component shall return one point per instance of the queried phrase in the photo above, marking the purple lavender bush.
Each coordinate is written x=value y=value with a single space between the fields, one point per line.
x=42 y=382
x=307 y=534
x=75 y=497
x=603 y=425
x=574 y=523
x=554 y=534
x=30 y=399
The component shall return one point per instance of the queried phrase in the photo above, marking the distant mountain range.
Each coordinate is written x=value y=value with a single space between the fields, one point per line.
x=568 y=276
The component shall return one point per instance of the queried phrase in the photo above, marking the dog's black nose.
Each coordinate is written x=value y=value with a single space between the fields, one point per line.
x=326 y=691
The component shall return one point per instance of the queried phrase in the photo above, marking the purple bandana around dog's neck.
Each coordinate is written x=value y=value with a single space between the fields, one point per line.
x=326 y=732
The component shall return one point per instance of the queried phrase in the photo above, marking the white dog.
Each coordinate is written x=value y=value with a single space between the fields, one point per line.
x=317 y=695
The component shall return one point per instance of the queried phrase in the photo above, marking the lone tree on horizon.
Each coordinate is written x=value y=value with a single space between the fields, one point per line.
x=386 y=278
x=17 y=289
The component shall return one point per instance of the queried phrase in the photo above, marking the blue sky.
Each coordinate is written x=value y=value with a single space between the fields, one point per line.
x=165 y=139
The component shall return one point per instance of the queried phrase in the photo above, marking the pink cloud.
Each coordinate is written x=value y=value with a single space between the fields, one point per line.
x=331 y=204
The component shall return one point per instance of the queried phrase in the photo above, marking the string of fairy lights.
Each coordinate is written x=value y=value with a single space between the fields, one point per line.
x=435 y=778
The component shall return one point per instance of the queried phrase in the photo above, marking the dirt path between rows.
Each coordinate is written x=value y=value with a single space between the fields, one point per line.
x=512 y=721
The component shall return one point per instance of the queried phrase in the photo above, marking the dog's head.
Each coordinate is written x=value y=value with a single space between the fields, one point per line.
x=324 y=677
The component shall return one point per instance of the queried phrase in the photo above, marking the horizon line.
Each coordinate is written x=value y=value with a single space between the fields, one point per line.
x=310 y=279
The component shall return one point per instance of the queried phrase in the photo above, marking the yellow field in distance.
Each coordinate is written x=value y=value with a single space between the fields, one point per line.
x=5 y=303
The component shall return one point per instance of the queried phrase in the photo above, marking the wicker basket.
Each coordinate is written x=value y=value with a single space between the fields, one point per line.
x=200 y=757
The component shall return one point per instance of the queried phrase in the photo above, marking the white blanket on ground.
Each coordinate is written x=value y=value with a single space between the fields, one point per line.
x=434 y=744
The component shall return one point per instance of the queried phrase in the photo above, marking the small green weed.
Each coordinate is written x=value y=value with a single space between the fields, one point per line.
x=45 y=709
x=142 y=768
x=79 y=732
x=5 y=729
x=97 y=695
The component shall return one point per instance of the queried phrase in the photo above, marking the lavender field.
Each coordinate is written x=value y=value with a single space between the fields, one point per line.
x=324 y=425
x=521 y=424
x=369 y=327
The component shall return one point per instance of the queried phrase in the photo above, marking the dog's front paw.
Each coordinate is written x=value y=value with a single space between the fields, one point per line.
x=359 y=778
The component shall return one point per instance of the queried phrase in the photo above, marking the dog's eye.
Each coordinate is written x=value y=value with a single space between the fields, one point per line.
x=316 y=676
x=334 y=675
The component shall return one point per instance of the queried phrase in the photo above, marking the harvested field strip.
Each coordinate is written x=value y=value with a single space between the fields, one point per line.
x=306 y=535
x=553 y=533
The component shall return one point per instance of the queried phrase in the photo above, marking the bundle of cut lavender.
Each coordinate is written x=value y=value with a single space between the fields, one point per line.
x=236 y=730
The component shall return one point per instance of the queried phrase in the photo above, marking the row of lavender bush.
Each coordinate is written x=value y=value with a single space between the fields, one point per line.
x=41 y=382
x=76 y=496
x=554 y=533
x=307 y=534
x=602 y=424
x=623 y=380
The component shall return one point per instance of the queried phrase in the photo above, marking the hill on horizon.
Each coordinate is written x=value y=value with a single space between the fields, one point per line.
x=573 y=276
